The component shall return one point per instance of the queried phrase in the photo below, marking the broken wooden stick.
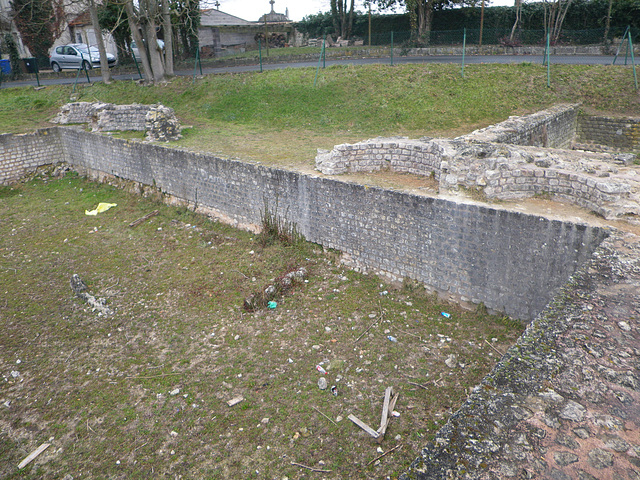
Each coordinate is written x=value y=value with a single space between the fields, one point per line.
x=370 y=327
x=324 y=415
x=311 y=468
x=387 y=410
x=494 y=348
x=363 y=425
x=235 y=401
x=33 y=455
x=386 y=415
x=384 y=454
x=417 y=385
x=144 y=219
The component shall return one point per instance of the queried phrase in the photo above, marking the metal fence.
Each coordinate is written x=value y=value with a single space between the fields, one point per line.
x=498 y=36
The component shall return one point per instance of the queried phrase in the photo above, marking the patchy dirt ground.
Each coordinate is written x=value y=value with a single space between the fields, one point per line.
x=144 y=392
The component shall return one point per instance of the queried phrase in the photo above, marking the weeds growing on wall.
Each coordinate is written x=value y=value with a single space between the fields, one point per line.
x=276 y=227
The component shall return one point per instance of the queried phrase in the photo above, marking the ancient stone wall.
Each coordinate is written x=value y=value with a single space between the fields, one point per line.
x=158 y=121
x=554 y=127
x=564 y=402
x=510 y=261
x=23 y=154
x=599 y=182
x=608 y=133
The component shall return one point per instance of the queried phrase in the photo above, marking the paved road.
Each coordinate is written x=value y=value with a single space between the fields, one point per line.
x=469 y=59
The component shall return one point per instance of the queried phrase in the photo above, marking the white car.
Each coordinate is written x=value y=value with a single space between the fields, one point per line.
x=136 y=52
x=77 y=55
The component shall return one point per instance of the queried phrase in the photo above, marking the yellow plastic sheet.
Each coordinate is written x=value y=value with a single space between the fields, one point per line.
x=102 y=207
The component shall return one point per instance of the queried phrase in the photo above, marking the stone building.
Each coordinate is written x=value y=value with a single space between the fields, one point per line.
x=222 y=34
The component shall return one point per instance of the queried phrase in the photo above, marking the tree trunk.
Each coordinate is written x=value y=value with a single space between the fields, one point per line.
x=168 y=37
x=351 y=15
x=148 y=8
x=135 y=32
x=104 y=63
x=425 y=18
x=607 y=25
x=560 y=19
x=334 y=16
x=518 y=9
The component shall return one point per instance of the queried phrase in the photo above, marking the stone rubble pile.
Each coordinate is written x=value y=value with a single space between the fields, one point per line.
x=158 y=121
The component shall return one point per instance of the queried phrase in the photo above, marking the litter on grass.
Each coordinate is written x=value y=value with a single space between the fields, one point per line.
x=102 y=207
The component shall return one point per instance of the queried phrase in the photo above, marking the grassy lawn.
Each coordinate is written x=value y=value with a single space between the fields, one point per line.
x=143 y=393
x=280 y=118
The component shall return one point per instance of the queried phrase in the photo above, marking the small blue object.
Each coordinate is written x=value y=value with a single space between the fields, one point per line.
x=446 y=315
x=272 y=305
x=393 y=339
x=5 y=66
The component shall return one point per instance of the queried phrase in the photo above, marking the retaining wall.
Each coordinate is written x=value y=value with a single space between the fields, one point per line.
x=22 y=154
x=554 y=127
x=593 y=132
x=510 y=261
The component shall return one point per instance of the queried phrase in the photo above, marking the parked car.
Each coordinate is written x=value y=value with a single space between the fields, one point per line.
x=77 y=55
x=136 y=53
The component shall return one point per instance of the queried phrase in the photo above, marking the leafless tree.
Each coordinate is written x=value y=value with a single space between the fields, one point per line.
x=342 y=17
x=555 y=12
x=518 y=10
x=104 y=63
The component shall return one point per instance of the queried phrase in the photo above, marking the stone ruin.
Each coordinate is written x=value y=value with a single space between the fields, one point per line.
x=505 y=162
x=159 y=122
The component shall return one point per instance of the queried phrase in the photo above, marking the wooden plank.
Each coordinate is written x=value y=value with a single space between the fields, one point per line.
x=363 y=425
x=383 y=428
x=385 y=407
x=142 y=219
x=33 y=455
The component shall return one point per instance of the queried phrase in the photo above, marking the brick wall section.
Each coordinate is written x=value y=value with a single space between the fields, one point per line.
x=104 y=116
x=554 y=127
x=398 y=154
x=616 y=133
x=598 y=195
x=510 y=261
x=22 y=154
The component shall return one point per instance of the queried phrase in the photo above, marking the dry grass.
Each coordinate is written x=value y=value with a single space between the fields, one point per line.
x=100 y=388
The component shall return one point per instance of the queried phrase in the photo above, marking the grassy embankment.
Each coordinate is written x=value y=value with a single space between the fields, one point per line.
x=278 y=117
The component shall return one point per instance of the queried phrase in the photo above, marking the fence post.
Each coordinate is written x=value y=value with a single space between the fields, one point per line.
x=315 y=80
x=633 y=62
x=464 y=46
x=135 y=61
x=324 y=52
x=260 y=53
x=626 y=32
x=392 y=47
x=197 y=62
x=548 y=62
